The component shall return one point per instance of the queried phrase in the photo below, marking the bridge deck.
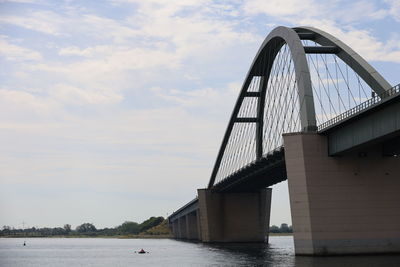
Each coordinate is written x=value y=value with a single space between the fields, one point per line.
x=186 y=209
x=262 y=173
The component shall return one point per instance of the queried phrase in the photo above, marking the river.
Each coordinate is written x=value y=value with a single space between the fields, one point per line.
x=71 y=252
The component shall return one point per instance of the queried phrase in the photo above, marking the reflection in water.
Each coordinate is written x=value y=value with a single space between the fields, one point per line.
x=280 y=252
x=349 y=261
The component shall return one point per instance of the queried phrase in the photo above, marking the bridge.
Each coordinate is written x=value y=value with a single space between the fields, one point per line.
x=313 y=112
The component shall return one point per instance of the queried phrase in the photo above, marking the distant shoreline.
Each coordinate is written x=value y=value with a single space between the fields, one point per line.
x=98 y=236
x=121 y=236
x=280 y=234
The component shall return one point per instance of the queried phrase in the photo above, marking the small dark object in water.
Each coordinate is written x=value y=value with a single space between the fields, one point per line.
x=24 y=243
x=141 y=251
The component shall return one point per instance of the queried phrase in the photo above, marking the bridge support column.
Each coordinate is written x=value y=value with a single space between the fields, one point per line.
x=182 y=227
x=186 y=226
x=342 y=205
x=234 y=217
x=191 y=226
x=198 y=225
x=175 y=228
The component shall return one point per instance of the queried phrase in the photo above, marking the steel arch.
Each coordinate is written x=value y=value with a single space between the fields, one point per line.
x=351 y=58
x=291 y=36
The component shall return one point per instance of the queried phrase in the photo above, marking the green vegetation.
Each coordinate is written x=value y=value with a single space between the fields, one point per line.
x=152 y=222
x=161 y=229
x=154 y=226
x=129 y=228
x=284 y=229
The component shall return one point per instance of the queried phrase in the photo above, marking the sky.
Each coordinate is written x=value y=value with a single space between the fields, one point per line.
x=114 y=111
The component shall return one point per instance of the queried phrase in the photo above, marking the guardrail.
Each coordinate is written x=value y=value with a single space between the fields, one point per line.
x=361 y=107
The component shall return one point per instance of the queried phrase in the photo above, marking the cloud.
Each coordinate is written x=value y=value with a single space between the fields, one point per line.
x=204 y=97
x=164 y=8
x=191 y=28
x=103 y=28
x=22 y=105
x=121 y=144
x=18 y=1
x=167 y=46
x=339 y=18
x=42 y=21
x=19 y=104
x=77 y=96
x=394 y=8
x=71 y=21
x=86 y=52
x=294 y=10
x=361 y=40
x=117 y=58
x=281 y=7
x=17 y=53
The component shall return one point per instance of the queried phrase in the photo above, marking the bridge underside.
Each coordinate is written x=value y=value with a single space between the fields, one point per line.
x=263 y=173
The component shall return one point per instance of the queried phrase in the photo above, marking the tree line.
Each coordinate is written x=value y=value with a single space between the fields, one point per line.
x=89 y=229
x=151 y=226
x=285 y=228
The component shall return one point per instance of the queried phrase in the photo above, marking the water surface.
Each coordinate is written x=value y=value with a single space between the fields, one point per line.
x=69 y=252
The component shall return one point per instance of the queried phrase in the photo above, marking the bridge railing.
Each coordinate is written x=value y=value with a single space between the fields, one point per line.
x=361 y=107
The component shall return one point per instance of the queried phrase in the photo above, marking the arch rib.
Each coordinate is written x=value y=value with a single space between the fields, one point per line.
x=272 y=43
x=277 y=38
x=351 y=58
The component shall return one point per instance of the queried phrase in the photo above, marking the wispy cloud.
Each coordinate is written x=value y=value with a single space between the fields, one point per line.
x=42 y=21
x=340 y=18
x=205 y=97
x=394 y=8
x=17 y=53
x=283 y=8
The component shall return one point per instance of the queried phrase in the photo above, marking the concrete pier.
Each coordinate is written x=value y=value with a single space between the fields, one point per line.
x=342 y=205
x=191 y=226
x=182 y=227
x=234 y=217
